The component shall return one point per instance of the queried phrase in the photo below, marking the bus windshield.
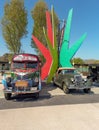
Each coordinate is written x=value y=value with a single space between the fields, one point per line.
x=18 y=65
x=25 y=61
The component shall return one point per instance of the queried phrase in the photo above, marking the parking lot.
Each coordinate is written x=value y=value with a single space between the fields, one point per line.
x=49 y=96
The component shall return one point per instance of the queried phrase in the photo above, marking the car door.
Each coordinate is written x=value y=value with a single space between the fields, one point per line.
x=61 y=78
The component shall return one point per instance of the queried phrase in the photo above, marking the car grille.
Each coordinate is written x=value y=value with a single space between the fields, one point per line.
x=22 y=89
x=78 y=81
x=78 y=78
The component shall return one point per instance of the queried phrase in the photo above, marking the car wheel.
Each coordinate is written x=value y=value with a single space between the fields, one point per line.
x=65 y=88
x=87 y=90
x=54 y=83
x=7 y=96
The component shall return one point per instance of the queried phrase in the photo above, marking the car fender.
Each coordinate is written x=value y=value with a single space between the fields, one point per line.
x=66 y=82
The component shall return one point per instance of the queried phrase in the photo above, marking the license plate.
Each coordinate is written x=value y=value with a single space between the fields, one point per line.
x=21 y=83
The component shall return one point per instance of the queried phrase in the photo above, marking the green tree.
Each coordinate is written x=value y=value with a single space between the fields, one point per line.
x=77 y=61
x=39 y=17
x=14 y=24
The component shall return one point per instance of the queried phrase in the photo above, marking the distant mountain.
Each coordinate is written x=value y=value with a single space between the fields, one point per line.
x=91 y=61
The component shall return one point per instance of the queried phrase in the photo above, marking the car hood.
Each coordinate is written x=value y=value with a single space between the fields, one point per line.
x=69 y=76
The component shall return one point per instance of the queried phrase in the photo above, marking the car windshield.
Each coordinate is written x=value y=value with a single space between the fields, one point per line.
x=71 y=71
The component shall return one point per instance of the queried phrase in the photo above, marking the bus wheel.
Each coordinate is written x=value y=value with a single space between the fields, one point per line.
x=7 y=96
x=36 y=96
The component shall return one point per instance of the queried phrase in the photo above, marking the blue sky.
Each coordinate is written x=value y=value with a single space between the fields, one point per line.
x=85 y=19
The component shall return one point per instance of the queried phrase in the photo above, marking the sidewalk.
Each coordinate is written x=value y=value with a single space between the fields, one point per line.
x=63 y=117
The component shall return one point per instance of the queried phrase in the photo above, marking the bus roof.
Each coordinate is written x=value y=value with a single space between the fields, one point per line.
x=25 y=57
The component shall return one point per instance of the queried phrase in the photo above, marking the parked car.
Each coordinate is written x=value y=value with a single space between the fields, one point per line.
x=94 y=72
x=25 y=76
x=70 y=78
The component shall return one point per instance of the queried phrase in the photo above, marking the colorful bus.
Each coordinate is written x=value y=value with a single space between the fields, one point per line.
x=25 y=76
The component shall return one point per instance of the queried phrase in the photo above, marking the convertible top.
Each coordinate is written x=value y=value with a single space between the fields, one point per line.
x=62 y=68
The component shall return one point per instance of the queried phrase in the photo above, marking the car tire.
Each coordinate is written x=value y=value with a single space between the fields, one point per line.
x=7 y=96
x=87 y=90
x=65 y=88
x=54 y=83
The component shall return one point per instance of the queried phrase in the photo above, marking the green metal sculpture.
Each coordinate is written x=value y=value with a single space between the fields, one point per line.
x=67 y=53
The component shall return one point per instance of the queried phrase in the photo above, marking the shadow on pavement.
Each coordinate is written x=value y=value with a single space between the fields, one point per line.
x=46 y=99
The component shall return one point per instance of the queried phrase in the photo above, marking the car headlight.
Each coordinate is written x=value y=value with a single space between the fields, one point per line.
x=72 y=79
x=85 y=80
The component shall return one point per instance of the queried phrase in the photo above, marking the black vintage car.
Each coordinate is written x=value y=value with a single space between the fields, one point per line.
x=69 y=78
x=94 y=72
